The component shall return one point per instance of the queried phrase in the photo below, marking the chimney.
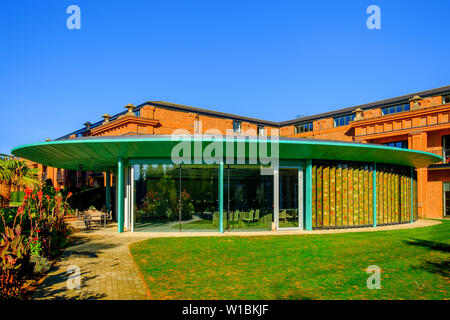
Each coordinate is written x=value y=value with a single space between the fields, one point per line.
x=88 y=126
x=106 y=117
x=130 y=108
x=359 y=115
x=415 y=100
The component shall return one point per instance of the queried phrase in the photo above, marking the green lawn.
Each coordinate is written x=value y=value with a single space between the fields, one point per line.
x=415 y=264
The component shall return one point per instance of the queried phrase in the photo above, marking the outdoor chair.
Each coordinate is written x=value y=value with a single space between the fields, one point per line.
x=248 y=217
x=97 y=218
x=93 y=218
x=295 y=214
x=235 y=219
x=289 y=214
x=207 y=215
x=86 y=219
x=283 y=215
x=215 y=219
x=256 y=216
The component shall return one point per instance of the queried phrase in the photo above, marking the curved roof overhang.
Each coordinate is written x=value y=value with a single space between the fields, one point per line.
x=102 y=153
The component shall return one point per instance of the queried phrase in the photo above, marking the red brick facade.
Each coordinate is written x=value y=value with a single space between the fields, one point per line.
x=423 y=127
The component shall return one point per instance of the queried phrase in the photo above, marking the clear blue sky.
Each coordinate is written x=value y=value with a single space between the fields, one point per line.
x=265 y=59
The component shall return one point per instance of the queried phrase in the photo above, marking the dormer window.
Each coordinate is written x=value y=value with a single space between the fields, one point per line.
x=344 y=120
x=446 y=99
x=237 y=126
x=304 y=127
x=395 y=109
x=261 y=130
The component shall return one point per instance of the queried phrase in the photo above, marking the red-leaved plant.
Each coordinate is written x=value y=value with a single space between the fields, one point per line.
x=39 y=218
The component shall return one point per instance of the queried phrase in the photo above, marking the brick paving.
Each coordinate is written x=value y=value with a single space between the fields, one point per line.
x=107 y=270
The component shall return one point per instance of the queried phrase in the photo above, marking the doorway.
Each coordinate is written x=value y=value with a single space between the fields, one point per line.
x=289 y=211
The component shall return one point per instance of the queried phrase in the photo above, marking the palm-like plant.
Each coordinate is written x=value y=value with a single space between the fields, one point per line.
x=14 y=173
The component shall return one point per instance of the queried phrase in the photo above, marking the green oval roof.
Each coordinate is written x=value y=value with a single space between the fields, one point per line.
x=102 y=153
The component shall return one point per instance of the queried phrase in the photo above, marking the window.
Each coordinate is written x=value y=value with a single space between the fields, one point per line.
x=446 y=99
x=343 y=120
x=446 y=189
x=261 y=130
x=236 y=126
x=137 y=113
x=304 y=127
x=44 y=173
x=395 y=109
x=398 y=144
x=446 y=148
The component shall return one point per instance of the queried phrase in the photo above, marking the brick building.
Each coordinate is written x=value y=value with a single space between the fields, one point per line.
x=418 y=121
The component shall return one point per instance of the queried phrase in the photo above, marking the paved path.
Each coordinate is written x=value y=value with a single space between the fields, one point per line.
x=108 y=270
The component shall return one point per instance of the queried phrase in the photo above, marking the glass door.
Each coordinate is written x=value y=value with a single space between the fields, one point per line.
x=290 y=198
x=446 y=189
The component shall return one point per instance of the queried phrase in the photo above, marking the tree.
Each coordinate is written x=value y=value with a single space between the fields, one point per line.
x=14 y=173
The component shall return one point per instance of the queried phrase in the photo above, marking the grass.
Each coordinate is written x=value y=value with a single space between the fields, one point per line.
x=415 y=264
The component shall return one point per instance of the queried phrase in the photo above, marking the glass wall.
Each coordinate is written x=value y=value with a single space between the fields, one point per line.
x=175 y=198
x=248 y=198
x=156 y=197
x=288 y=198
x=446 y=189
x=185 y=198
x=199 y=198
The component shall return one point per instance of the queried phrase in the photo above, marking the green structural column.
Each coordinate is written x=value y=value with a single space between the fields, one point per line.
x=412 y=195
x=221 y=197
x=308 y=195
x=374 y=182
x=108 y=193
x=120 y=194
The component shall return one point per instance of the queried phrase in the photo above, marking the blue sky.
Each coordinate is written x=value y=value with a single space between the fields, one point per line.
x=272 y=60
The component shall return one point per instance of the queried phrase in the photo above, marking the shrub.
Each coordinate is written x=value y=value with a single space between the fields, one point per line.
x=14 y=257
x=38 y=228
x=187 y=207
x=35 y=247
x=40 y=264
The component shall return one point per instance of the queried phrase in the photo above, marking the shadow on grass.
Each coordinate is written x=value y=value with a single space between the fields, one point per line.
x=432 y=245
x=441 y=267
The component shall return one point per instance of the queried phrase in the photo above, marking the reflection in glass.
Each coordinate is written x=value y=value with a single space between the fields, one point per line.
x=156 y=205
x=288 y=207
x=199 y=198
x=250 y=198
x=185 y=198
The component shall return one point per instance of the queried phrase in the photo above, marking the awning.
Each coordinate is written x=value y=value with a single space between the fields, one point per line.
x=102 y=153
